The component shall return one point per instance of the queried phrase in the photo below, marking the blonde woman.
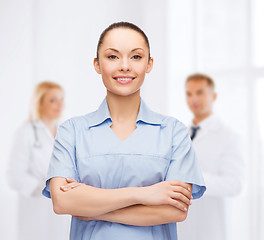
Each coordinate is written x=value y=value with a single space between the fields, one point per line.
x=29 y=161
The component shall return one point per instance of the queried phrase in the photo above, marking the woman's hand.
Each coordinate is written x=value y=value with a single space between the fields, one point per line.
x=72 y=183
x=172 y=192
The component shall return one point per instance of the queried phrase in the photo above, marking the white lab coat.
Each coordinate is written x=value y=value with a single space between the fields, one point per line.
x=218 y=151
x=27 y=172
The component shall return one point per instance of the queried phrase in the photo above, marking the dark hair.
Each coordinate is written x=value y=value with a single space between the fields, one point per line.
x=201 y=76
x=121 y=25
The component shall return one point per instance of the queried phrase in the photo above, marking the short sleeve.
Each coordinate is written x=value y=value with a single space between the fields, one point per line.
x=184 y=165
x=63 y=162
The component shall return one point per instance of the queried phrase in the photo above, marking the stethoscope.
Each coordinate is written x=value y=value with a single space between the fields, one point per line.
x=37 y=143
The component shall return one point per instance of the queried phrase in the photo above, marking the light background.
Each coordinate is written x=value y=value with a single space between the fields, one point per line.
x=56 y=40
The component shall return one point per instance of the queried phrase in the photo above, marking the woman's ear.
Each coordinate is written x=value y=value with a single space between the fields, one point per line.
x=97 y=66
x=150 y=65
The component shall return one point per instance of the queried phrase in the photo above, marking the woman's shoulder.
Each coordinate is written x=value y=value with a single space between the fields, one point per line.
x=175 y=126
x=24 y=131
x=79 y=121
x=167 y=120
x=154 y=117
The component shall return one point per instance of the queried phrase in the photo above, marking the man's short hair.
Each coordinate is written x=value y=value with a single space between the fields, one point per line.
x=201 y=76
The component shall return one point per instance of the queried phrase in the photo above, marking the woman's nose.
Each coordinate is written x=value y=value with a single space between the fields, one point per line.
x=60 y=103
x=125 y=66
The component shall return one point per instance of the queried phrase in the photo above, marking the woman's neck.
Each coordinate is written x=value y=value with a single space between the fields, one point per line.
x=123 y=108
x=51 y=124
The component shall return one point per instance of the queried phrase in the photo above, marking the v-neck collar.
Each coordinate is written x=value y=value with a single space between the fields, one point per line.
x=145 y=115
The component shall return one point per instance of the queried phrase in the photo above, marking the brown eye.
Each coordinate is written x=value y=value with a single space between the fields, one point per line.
x=136 y=57
x=112 y=57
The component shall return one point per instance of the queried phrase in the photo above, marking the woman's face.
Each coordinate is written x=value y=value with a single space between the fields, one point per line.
x=52 y=104
x=123 y=61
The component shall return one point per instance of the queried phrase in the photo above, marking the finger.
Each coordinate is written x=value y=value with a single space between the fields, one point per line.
x=76 y=185
x=180 y=183
x=178 y=205
x=182 y=190
x=70 y=180
x=69 y=186
x=65 y=188
x=181 y=197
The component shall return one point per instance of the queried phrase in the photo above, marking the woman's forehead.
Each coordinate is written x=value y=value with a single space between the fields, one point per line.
x=53 y=91
x=123 y=37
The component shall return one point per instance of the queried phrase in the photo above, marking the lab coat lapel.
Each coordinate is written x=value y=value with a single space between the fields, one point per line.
x=202 y=132
x=209 y=124
x=41 y=125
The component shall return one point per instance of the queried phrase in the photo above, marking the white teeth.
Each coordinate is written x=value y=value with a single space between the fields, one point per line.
x=124 y=79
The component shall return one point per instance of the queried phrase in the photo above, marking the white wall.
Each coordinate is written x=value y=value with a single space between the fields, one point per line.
x=15 y=88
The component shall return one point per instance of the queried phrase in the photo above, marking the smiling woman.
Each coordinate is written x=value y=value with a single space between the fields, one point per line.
x=122 y=62
x=123 y=171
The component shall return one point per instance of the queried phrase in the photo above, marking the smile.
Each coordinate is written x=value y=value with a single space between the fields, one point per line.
x=124 y=80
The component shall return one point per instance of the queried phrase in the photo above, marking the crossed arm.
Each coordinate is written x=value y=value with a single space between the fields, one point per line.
x=160 y=203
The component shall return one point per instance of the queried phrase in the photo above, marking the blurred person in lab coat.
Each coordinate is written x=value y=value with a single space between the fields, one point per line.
x=28 y=166
x=218 y=150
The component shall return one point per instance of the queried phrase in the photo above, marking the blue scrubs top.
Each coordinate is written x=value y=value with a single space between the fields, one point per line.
x=159 y=149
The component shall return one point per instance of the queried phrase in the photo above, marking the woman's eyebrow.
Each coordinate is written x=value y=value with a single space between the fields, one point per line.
x=135 y=49
x=115 y=50
x=112 y=49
